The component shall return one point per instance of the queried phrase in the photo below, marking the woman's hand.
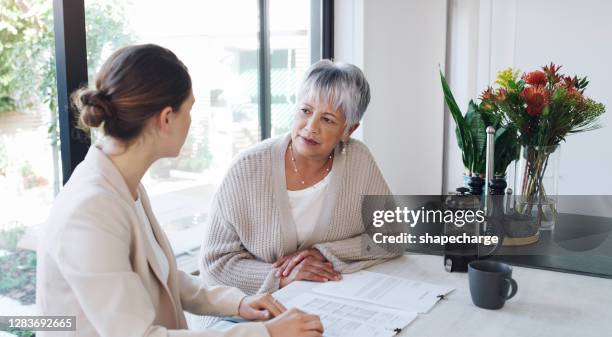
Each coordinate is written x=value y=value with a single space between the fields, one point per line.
x=286 y=263
x=260 y=307
x=295 y=323
x=311 y=269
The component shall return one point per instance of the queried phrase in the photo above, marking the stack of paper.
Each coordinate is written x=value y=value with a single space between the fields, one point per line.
x=368 y=304
x=345 y=318
x=385 y=290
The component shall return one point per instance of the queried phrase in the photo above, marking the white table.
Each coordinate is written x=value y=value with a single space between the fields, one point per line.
x=547 y=303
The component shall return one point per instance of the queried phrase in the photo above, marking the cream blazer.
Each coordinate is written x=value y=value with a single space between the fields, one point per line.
x=95 y=263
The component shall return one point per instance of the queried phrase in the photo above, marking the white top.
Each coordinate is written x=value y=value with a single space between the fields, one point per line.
x=159 y=253
x=306 y=206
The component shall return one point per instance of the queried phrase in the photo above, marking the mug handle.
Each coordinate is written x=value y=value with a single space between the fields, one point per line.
x=513 y=286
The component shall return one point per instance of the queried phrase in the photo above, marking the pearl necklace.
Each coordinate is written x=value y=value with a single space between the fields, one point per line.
x=295 y=169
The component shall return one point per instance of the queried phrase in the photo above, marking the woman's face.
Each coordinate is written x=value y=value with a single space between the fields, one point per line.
x=317 y=129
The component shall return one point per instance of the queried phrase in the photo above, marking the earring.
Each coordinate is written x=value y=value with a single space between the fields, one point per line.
x=344 y=146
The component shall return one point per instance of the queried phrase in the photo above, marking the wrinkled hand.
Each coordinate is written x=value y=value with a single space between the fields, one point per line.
x=295 y=323
x=311 y=269
x=286 y=263
x=260 y=307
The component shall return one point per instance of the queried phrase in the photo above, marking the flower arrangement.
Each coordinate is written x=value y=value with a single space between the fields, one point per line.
x=545 y=106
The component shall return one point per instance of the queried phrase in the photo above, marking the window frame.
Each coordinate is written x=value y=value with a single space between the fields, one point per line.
x=71 y=68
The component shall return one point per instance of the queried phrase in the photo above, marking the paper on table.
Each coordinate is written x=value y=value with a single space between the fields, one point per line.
x=381 y=289
x=342 y=318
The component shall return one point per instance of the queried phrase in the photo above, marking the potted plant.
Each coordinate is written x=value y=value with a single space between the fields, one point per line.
x=472 y=137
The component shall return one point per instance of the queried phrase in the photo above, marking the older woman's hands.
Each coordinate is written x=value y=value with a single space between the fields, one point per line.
x=311 y=269
x=260 y=307
x=286 y=263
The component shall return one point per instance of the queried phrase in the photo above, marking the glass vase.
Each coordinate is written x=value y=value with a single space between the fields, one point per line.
x=538 y=174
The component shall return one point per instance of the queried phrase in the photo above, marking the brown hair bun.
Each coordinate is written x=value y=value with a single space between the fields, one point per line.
x=95 y=106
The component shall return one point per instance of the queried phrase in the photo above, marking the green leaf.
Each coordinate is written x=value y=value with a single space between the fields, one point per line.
x=464 y=137
x=478 y=130
x=507 y=148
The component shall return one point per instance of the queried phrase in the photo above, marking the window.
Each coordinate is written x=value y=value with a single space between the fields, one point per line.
x=290 y=56
x=221 y=44
x=30 y=169
x=234 y=108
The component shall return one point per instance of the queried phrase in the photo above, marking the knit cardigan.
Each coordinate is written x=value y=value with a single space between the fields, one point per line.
x=251 y=224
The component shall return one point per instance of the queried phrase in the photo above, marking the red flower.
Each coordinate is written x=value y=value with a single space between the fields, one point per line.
x=536 y=98
x=552 y=71
x=535 y=78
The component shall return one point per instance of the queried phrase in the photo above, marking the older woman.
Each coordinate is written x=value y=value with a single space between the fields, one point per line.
x=290 y=207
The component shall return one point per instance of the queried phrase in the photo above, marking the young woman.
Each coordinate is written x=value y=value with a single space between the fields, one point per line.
x=104 y=257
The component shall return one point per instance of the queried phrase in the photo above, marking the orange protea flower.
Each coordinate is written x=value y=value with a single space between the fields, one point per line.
x=502 y=94
x=487 y=94
x=536 y=98
x=535 y=78
x=552 y=71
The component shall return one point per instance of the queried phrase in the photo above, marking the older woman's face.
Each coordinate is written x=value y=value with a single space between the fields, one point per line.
x=317 y=129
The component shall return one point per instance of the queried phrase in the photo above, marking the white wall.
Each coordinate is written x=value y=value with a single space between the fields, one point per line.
x=461 y=65
x=399 y=45
x=582 y=42
x=526 y=34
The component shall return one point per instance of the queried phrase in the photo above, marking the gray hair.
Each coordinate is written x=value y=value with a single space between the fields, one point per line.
x=343 y=85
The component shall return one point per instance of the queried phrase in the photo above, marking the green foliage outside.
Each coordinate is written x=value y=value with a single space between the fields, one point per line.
x=27 y=49
x=21 y=333
x=105 y=32
x=17 y=266
x=24 y=52
x=10 y=235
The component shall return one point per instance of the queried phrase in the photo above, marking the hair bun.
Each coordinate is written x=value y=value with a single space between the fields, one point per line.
x=95 y=107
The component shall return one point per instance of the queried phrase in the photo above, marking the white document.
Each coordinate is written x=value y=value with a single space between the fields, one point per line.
x=342 y=318
x=390 y=291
